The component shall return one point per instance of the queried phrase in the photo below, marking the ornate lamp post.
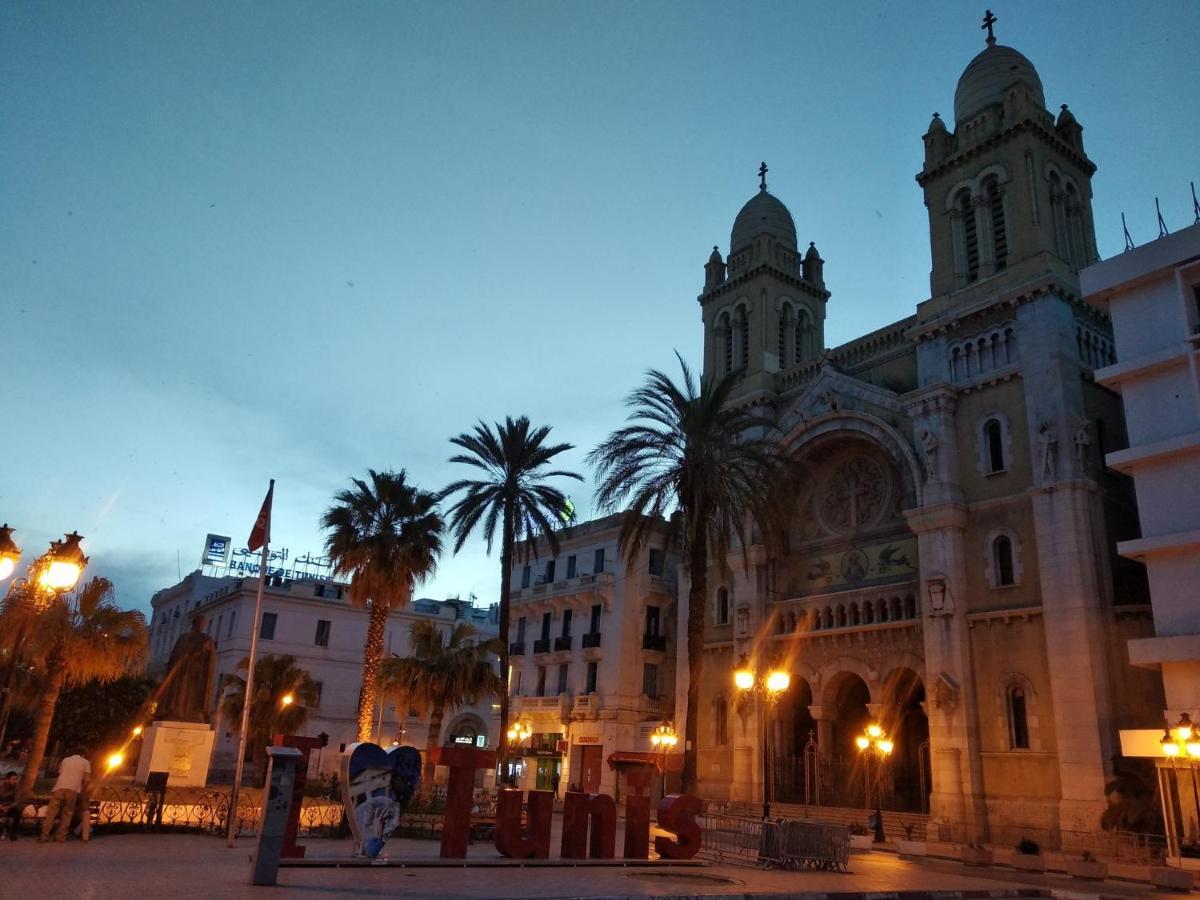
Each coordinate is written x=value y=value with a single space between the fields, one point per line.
x=767 y=688
x=518 y=732
x=51 y=574
x=664 y=740
x=874 y=743
x=1182 y=742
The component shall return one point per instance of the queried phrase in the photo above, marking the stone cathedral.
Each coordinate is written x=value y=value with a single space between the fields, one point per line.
x=949 y=569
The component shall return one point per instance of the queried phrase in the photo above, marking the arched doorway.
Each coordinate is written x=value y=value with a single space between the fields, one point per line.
x=795 y=747
x=848 y=698
x=904 y=718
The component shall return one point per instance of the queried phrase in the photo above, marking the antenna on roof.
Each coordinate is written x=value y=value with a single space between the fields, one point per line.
x=1195 y=203
x=1128 y=239
x=1162 y=226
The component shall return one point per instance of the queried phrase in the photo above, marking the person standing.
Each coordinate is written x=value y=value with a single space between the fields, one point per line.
x=72 y=780
x=10 y=806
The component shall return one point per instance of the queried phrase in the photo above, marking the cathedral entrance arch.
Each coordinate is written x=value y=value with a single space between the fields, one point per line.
x=795 y=745
x=903 y=715
x=847 y=704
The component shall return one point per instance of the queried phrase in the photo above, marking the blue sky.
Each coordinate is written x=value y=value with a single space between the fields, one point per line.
x=297 y=240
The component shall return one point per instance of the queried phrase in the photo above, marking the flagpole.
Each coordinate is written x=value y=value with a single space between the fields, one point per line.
x=248 y=700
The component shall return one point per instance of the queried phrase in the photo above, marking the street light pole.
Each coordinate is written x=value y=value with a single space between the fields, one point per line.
x=874 y=743
x=767 y=689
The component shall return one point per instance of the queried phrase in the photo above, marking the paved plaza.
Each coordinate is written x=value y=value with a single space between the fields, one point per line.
x=192 y=866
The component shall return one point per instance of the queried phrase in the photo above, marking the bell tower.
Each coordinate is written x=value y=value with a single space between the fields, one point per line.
x=1009 y=189
x=764 y=305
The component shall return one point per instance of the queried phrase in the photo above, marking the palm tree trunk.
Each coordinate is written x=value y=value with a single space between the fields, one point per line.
x=56 y=674
x=372 y=652
x=698 y=564
x=506 y=557
x=431 y=742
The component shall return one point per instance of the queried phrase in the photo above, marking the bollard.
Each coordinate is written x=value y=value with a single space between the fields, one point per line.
x=277 y=805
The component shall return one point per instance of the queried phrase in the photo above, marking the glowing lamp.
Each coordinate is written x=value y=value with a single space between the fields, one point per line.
x=6 y=567
x=287 y=699
x=1193 y=749
x=1183 y=729
x=10 y=553
x=885 y=746
x=137 y=730
x=778 y=682
x=874 y=730
x=60 y=575
x=113 y=760
x=863 y=742
x=744 y=679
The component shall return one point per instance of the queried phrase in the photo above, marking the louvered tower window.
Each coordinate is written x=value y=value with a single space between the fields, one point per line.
x=970 y=235
x=999 y=236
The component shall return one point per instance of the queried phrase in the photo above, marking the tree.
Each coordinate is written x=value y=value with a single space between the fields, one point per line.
x=386 y=536
x=687 y=449
x=102 y=714
x=78 y=638
x=275 y=678
x=514 y=495
x=441 y=673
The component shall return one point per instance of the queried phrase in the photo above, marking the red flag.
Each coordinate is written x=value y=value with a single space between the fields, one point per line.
x=261 y=533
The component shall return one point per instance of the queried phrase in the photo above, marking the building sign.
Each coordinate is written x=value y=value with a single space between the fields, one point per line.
x=856 y=567
x=587 y=739
x=216 y=550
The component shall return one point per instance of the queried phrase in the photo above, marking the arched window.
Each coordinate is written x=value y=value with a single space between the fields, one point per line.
x=970 y=235
x=995 y=202
x=882 y=610
x=785 y=331
x=814 y=620
x=743 y=338
x=868 y=613
x=994 y=436
x=721 y=610
x=841 y=617
x=1002 y=554
x=726 y=332
x=803 y=336
x=828 y=617
x=854 y=614
x=1018 y=718
x=1074 y=216
x=1058 y=208
x=897 y=610
x=910 y=606
x=722 y=717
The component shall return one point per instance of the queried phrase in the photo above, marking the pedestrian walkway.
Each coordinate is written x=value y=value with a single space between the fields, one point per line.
x=117 y=867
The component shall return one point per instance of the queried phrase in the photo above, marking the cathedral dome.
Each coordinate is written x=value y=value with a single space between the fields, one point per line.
x=988 y=75
x=763 y=213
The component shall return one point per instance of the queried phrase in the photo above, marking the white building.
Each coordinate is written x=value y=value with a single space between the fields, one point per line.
x=1153 y=296
x=592 y=657
x=313 y=621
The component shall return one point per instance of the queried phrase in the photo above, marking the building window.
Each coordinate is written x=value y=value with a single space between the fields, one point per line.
x=319 y=687
x=744 y=338
x=650 y=679
x=521 y=630
x=995 y=201
x=232 y=619
x=566 y=631
x=323 y=628
x=541 y=681
x=995 y=446
x=266 y=631
x=721 y=613
x=970 y=235
x=546 y=626
x=725 y=330
x=804 y=336
x=653 y=621
x=570 y=566
x=548 y=576
x=593 y=672
x=217 y=630
x=525 y=575
x=1018 y=719
x=722 y=716
x=656 y=561
x=598 y=561
x=1003 y=558
x=597 y=611
x=562 y=678
x=516 y=683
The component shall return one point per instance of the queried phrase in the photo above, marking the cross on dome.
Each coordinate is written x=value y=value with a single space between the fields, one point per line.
x=988 y=21
x=762 y=177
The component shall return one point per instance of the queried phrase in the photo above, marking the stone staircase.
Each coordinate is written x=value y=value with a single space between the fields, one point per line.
x=893 y=822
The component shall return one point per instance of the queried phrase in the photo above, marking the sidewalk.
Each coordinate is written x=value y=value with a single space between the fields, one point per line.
x=116 y=867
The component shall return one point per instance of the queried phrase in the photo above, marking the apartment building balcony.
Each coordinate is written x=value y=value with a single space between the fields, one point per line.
x=591 y=583
x=562 y=643
x=656 y=642
x=541 y=645
x=555 y=705
x=586 y=707
x=591 y=639
x=517 y=648
x=663 y=585
x=651 y=705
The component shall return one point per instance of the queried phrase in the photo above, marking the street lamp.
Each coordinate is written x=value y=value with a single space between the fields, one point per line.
x=287 y=700
x=766 y=688
x=59 y=569
x=517 y=733
x=664 y=740
x=10 y=553
x=1182 y=741
x=874 y=743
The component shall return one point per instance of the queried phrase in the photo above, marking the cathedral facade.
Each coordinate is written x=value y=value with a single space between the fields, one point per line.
x=949 y=567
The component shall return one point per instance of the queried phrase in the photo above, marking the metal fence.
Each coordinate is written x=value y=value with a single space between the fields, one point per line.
x=729 y=837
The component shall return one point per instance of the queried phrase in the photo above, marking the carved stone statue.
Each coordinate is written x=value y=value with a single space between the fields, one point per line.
x=187 y=690
x=1049 y=444
x=1083 y=441
x=930 y=445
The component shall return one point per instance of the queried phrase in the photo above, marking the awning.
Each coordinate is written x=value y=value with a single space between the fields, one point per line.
x=673 y=761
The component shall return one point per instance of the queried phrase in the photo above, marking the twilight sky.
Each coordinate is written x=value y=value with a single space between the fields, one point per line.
x=300 y=239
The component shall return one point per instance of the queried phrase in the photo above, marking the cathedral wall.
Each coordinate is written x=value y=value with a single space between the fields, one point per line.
x=1015 y=518
x=1137 y=693
x=974 y=409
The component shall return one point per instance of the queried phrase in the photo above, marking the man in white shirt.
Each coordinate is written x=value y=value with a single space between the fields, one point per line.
x=72 y=779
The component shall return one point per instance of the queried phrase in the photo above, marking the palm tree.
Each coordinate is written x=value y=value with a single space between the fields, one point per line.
x=687 y=449
x=514 y=495
x=442 y=672
x=283 y=696
x=386 y=536
x=76 y=639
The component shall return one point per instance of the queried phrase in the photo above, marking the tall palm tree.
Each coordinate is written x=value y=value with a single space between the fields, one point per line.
x=275 y=678
x=687 y=449
x=442 y=672
x=387 y=537
x=513 y=494
x=76 y=639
